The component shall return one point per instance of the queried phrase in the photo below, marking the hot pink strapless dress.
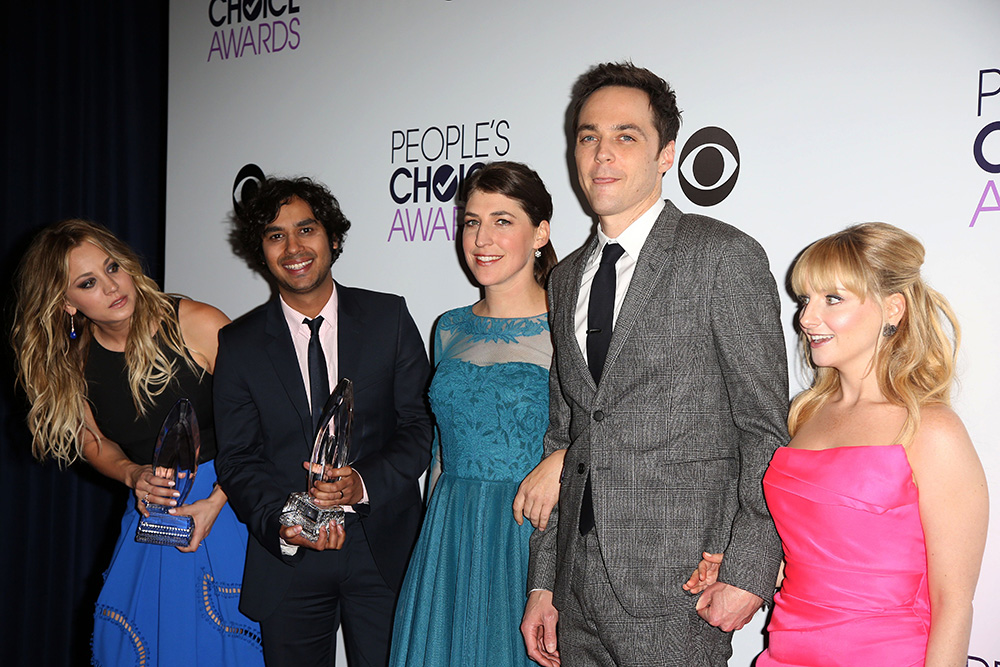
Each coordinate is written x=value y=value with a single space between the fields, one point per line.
x=855 y=588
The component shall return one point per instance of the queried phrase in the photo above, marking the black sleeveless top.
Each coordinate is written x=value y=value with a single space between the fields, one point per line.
x=111 y=401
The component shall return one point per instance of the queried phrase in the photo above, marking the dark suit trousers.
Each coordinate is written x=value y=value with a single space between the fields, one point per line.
x=330 y=588
x=595 y=631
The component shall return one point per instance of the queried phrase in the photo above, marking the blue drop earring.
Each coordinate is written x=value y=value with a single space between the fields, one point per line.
x=72 y=329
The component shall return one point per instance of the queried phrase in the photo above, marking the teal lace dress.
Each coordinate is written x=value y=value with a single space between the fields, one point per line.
x=464 y=592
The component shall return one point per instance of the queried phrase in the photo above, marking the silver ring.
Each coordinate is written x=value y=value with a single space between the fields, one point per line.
x=145 y=498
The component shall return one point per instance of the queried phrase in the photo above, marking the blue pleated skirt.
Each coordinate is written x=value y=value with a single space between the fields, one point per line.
x=161 y=607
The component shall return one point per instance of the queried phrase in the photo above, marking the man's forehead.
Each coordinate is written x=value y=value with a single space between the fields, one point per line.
x=615 y=107
x=293 y=212
x=278 y=223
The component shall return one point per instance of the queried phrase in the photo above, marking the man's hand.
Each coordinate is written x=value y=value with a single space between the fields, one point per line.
x=345 y=490
x=330 y=537
x=539 y=629
x=727 y=607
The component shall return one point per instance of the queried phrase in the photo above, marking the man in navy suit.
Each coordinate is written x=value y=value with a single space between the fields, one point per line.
x=268 y=386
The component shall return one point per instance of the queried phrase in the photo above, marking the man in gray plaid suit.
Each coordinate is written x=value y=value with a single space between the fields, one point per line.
x=669 y=394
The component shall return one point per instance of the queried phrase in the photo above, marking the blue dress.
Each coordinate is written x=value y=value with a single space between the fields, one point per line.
x=159 y=606
x=464 y=592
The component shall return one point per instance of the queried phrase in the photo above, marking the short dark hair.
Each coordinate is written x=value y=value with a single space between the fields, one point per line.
x=262 y=209
x=522 y=184
x=662 y=100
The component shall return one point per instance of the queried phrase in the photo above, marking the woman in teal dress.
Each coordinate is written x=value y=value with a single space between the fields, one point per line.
x=464 y=592
x=103 y=356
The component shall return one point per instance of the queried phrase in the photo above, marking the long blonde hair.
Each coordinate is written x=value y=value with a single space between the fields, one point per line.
x=916 y=365
x=50 y=365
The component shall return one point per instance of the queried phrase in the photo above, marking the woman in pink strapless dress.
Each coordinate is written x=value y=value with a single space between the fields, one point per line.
x=855 y=589
x=879 y=498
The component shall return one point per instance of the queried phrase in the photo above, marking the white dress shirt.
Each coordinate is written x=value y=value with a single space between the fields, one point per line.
x=631 y=240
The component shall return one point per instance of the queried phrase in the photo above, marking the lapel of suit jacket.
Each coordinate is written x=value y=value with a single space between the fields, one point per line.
x=349 y=334
x=564 y=328
x=648 y=268
x=350 y=360
x=280 y=350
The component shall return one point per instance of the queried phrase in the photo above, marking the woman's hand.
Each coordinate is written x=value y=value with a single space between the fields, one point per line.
x=539 y=491
x=204 y=512
x=150 y=487
x=706 y=574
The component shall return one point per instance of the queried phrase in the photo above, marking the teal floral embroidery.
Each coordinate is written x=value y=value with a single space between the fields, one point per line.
x=491 y=416
x=489 y=329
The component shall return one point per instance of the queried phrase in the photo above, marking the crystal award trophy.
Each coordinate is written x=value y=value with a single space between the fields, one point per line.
x=176 y=458
x=330 y=450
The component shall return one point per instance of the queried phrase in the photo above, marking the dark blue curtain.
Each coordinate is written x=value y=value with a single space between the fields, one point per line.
x=84 y=127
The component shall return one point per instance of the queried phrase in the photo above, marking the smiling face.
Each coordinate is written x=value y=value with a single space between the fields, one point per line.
x=842 y=331
x=297 y=252
x=98 y=288
x=499 y=241
x=618 y=160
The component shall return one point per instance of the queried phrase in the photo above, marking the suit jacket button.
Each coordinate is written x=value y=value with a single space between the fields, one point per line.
x=598 y=415
x=581 y=468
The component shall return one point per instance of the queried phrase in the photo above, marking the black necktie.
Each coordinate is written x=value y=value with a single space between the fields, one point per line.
x=600 y=321
x=601 y=311
x=319 y=382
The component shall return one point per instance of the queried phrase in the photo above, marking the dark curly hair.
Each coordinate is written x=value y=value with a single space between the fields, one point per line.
x=520 y=183
x=263 y=208
x=662 y=100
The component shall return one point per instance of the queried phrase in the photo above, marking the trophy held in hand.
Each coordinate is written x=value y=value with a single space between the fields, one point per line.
x=176 y=458
x=330 y=451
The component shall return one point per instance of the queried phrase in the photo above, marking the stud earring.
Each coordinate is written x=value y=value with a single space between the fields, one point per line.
x=72 y=329
x=538 y=253
x=889 y=330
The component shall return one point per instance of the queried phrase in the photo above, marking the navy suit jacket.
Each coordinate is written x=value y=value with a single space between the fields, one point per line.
x=264 y=430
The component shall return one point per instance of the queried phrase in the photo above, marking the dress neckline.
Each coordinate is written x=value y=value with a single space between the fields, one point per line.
x=94 y=341
x=503 y=319
x=840 y=447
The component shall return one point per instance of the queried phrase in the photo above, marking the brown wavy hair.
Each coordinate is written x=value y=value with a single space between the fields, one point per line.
x=916 y=365
x=50 y=365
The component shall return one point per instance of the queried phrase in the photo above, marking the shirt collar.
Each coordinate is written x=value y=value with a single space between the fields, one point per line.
x=294 y=318
x=634 y=236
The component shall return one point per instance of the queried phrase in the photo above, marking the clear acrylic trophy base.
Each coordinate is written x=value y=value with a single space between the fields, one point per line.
x=300 y=510
x=163 y=528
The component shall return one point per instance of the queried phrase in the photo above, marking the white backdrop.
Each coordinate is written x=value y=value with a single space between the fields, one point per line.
x=842 y=112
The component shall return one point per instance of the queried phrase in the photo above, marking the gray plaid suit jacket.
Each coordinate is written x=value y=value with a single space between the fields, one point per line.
x=691 y=406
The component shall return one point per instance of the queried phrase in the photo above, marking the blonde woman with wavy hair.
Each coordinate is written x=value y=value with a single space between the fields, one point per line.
x=879 y=498
x=103 y=355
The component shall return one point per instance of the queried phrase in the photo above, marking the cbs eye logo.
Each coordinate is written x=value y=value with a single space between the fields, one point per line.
x=246 y=185
x=709 y=166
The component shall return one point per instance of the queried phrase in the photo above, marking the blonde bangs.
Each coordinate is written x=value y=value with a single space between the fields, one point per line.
x=831 y=264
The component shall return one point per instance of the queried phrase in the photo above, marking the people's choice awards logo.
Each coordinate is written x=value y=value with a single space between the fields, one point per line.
x=252 y=27
x=709 y=166
x=430 y=166
x=246 y=185
x=986 y=147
